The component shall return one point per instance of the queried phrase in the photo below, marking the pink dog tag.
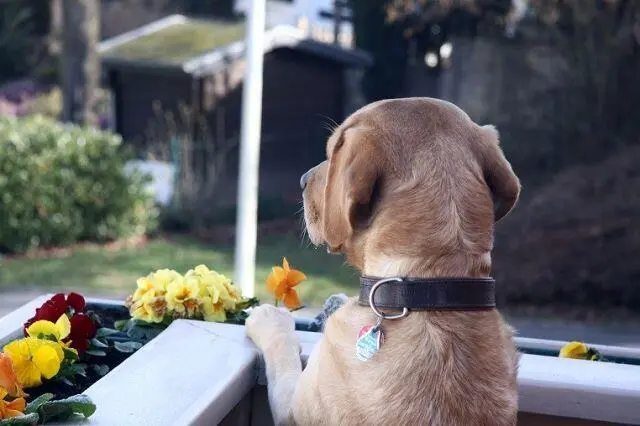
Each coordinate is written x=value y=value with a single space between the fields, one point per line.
x=370 y=338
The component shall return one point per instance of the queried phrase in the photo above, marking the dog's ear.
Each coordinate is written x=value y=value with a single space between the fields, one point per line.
x=498 y=174
x=354 y=169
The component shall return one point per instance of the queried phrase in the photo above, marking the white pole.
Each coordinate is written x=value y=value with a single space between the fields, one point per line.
x=246 y=223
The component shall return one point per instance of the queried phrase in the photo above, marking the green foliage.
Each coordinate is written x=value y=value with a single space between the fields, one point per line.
x=26 y=420
x=140 y=331
x=32 y=406
x=61 y=184
x=43 y=410
x=65 y=409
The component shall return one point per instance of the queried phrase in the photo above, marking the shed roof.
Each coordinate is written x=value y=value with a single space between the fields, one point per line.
x=200 y=47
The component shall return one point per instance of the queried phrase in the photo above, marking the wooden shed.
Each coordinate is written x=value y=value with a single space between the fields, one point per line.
x=178 y=62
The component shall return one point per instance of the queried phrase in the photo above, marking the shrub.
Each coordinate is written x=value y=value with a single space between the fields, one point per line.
x=60 y=184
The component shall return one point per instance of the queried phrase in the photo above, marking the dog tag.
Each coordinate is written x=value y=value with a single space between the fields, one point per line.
x=370 y=338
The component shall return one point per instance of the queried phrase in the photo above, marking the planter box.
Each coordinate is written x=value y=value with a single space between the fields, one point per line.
x=198 y=373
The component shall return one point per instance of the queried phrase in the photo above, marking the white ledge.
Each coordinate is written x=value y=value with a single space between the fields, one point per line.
x=195 y=373
x=190 y=374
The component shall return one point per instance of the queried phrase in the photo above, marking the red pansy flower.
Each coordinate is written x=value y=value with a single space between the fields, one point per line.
x=82 y=326
x=76 y=301
x=82 y=330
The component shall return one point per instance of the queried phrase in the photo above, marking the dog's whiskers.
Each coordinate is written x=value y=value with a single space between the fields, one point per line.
x=330 y=124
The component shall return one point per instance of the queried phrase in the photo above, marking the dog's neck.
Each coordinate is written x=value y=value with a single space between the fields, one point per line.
x=451 y=266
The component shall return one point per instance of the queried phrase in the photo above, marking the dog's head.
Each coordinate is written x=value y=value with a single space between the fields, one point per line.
x=410 y=180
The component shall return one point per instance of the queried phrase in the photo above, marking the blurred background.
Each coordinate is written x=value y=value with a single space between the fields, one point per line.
x=146 y=178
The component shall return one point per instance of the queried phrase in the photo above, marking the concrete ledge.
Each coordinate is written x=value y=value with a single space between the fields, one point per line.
x=191 y=374
x=197 y=373
x=579 y=389
x=11 y=324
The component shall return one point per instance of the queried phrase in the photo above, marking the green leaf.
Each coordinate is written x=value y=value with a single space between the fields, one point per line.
x=95 y=352
x=105 y=332
x=33 y=406
x=120 y=325
x=73 y=370
x=100 y=369
x=66 y=381
x=127 y=347
x=49 y=337
x=248 y=303
x=70 y=355
x=143 y=332
x=27 y=419
x=98 y=343
x=64 y=409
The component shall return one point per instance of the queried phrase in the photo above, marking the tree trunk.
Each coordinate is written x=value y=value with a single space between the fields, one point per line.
x=80 y=60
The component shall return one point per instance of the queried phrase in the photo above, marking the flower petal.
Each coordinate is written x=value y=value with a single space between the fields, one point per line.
x=46 y=359
x=214 y=312
x=13 y=413
x=20 y=352
x=285 y=264
x=281 y=290
x=82 y=325
x=58 y=299
x=291 y=299
x=43 y=328
x=18 y=404
x=8 y=380
x=201 y=270
x=64 y=326
x=80 y=345
x=576 y=350
x=295 y=277
x=76 y=301
x=275 y=278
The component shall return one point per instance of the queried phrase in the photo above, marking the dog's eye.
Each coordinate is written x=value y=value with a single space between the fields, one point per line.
x=333 y=148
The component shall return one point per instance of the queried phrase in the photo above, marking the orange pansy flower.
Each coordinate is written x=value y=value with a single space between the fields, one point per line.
x=281 y=282
x=8 y=379
x=11 y=409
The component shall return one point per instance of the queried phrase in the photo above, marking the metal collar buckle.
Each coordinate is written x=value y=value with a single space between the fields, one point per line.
x=379 y=314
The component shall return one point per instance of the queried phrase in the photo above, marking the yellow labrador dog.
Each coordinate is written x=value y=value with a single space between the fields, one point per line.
x=410 y=188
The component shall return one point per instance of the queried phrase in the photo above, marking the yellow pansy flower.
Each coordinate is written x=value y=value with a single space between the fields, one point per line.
x=59 y=330
x=181 y=291
x=209 y=281
x=34 y=359
x=575 y=350
x=9 y=410
x=145 y=287
x=578 y=350
x=217 y=288
x=155 y=284
x=149 y=308
x=164 y=277
x=213 y=311
x=201 y=270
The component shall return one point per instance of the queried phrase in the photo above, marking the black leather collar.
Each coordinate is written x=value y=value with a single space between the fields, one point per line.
x=422 y=294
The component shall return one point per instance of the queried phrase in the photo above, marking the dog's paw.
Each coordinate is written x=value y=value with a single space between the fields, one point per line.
x=267 y=322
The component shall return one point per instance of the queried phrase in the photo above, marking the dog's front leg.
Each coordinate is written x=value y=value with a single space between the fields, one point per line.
x=273 y=332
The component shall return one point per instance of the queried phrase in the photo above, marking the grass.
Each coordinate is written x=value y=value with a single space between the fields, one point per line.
x=104 y=272
x=178 y=43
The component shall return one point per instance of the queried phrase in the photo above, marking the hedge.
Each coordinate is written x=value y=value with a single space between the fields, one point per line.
x=61 y=184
